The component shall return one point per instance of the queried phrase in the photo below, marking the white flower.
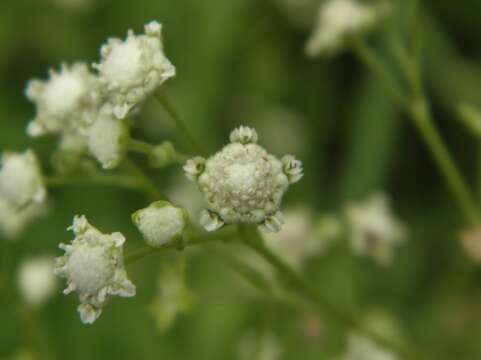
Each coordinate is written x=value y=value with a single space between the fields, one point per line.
x=13 y=222
x=297 y=240
x=362 y=348
x=21 y=180
x=62 y=101
x=242 y=183
x=338 y=21
x=36 y=281
x=374 y=230
x=132 y=69
x=160 y=222
x=105 y=139
x=173 y=296
x=93 y=266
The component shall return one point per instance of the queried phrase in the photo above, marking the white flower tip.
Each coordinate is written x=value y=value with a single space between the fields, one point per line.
x=194 y=167
x=153 y=28
x=243 y=135
x=89 y=313
x=273 y=224
x=292 y=168
x=210 y=221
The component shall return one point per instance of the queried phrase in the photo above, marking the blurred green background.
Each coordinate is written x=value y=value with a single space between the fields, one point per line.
x=243 y=62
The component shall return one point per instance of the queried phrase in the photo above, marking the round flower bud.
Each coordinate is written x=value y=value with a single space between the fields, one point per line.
x=292 y=168
x=93 y=266
x=160 y=222
x=36 y=281
x=21 y=180
x=62 y=101
x=242 y=183
x=338 y=20
x=106 y=140
x=132 y=69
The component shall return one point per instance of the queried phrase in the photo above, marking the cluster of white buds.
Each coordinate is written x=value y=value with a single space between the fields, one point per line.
x=374 y=229
x=63 y=101
x=21 y=181
x=338 y=21
x=93 y=266
x=132 y=69
x=36 y=281
x=160 y=222
x=242 y=183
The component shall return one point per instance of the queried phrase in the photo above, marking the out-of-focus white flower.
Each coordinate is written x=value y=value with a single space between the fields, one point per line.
x=173 y=296
x=338 y=21
x=362 y=348
x=160 y=222
x=93 y=266
x=471 y=243
x=259 y=346
x=36 y=280
x=13 y=222
x=106 y=139
x=63 y=101
x=374 y=229
x=299 y=238
x=242 y=183
x=21 y=179
x=132 y=69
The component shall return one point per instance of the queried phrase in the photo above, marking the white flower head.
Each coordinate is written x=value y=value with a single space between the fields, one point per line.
x=36 y=281
x=133 y=68
x=13 y=222
x=93 y=266
x=105 y=139
x=21 y=179
x=242 y=183
x=362 y=348
x=63 y=101
x=160 y=222
x=374 y=229
x=338 y=21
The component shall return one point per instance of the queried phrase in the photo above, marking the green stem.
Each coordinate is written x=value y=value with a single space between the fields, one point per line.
x=189 y=240
x=417 y=107
x=254 y=240
x=139 y=146
x=421 y=117
x=181 y=124
x=92 y=179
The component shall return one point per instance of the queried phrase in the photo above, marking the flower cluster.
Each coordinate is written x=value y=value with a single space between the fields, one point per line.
x=242 y=183
x=22 y=191
x=374 y=229
x=90 y=108
x=93 y=266
x=340 y=20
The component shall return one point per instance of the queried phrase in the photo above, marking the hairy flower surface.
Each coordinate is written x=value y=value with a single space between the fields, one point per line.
x=63 y=101
x=21 y=179
x=133 y=68
x=105 y=139
x=160 y=222
x=374 y=229
x=242 y=183
x=36 y=280
x=93 y=266
x=338 y=20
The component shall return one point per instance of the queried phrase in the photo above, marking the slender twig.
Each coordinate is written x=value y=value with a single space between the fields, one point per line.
x=139 y=146
x=254 y=240
x=416 y=105
x=181 y=124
